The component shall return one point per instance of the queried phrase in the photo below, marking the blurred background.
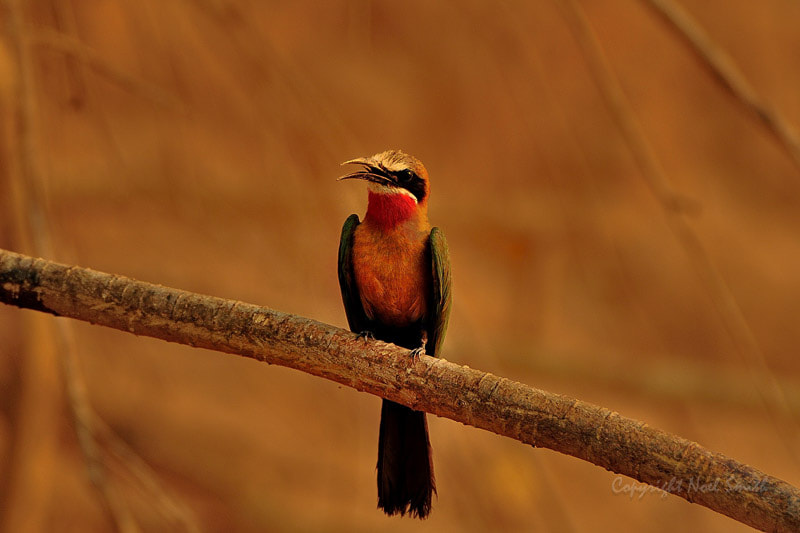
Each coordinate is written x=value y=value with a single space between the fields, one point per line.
x=196 y=144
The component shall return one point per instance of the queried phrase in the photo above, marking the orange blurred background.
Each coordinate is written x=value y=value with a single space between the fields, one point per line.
x=196 y=144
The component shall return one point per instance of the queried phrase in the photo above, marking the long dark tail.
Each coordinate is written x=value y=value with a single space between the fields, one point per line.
x=405 y=466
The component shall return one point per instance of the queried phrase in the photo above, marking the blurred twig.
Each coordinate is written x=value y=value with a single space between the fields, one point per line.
x=28 y=486
x=91 y=58
x=678 y=221
x=54 y=342
x=177 y=514
x=35 y=218
x=84 y=422
x=92 y=432
x=66 y=23
x=255 y=42
x=472 y=397
x=727 y=73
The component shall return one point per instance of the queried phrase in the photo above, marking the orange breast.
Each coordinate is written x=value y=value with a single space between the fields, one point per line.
x=392 y=271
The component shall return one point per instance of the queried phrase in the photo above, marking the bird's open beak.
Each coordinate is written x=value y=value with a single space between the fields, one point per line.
x=366 y=161
x=370 y=172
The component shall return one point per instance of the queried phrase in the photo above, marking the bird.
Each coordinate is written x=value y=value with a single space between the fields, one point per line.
x=394 y=275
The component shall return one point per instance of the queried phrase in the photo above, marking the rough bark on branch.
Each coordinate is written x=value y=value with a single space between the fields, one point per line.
x=480 y=399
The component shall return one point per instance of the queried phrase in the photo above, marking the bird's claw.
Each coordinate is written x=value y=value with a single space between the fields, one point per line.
x=416 y=352
x=366 y=335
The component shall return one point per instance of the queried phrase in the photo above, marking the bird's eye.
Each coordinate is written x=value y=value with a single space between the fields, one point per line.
x=405 y=175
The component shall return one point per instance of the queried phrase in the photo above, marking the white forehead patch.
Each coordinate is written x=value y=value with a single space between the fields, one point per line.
x=385 y=189
x=393 y=160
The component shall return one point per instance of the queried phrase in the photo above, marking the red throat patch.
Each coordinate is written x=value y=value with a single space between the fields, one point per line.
x=389 y=210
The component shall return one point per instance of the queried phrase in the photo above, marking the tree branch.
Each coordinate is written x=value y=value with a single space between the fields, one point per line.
x=469 y=396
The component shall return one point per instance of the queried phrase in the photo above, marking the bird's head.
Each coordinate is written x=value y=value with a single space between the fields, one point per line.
x=398 y=186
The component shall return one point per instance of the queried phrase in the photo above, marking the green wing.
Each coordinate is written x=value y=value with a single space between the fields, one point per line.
x=356 y=318
x=442 y=295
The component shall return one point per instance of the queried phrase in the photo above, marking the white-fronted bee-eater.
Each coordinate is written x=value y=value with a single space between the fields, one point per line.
x=394 y=272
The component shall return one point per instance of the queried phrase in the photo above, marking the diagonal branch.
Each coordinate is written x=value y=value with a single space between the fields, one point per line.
x=725 y=70
x=675 y=208
x=480 y=399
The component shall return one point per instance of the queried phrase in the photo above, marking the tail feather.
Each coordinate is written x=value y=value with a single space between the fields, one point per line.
x=405 y=466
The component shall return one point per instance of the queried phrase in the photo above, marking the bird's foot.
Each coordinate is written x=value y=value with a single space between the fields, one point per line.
x=416 y=352
x=366 y=335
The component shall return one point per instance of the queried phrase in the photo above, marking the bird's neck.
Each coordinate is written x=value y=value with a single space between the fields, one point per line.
x=389 y=210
